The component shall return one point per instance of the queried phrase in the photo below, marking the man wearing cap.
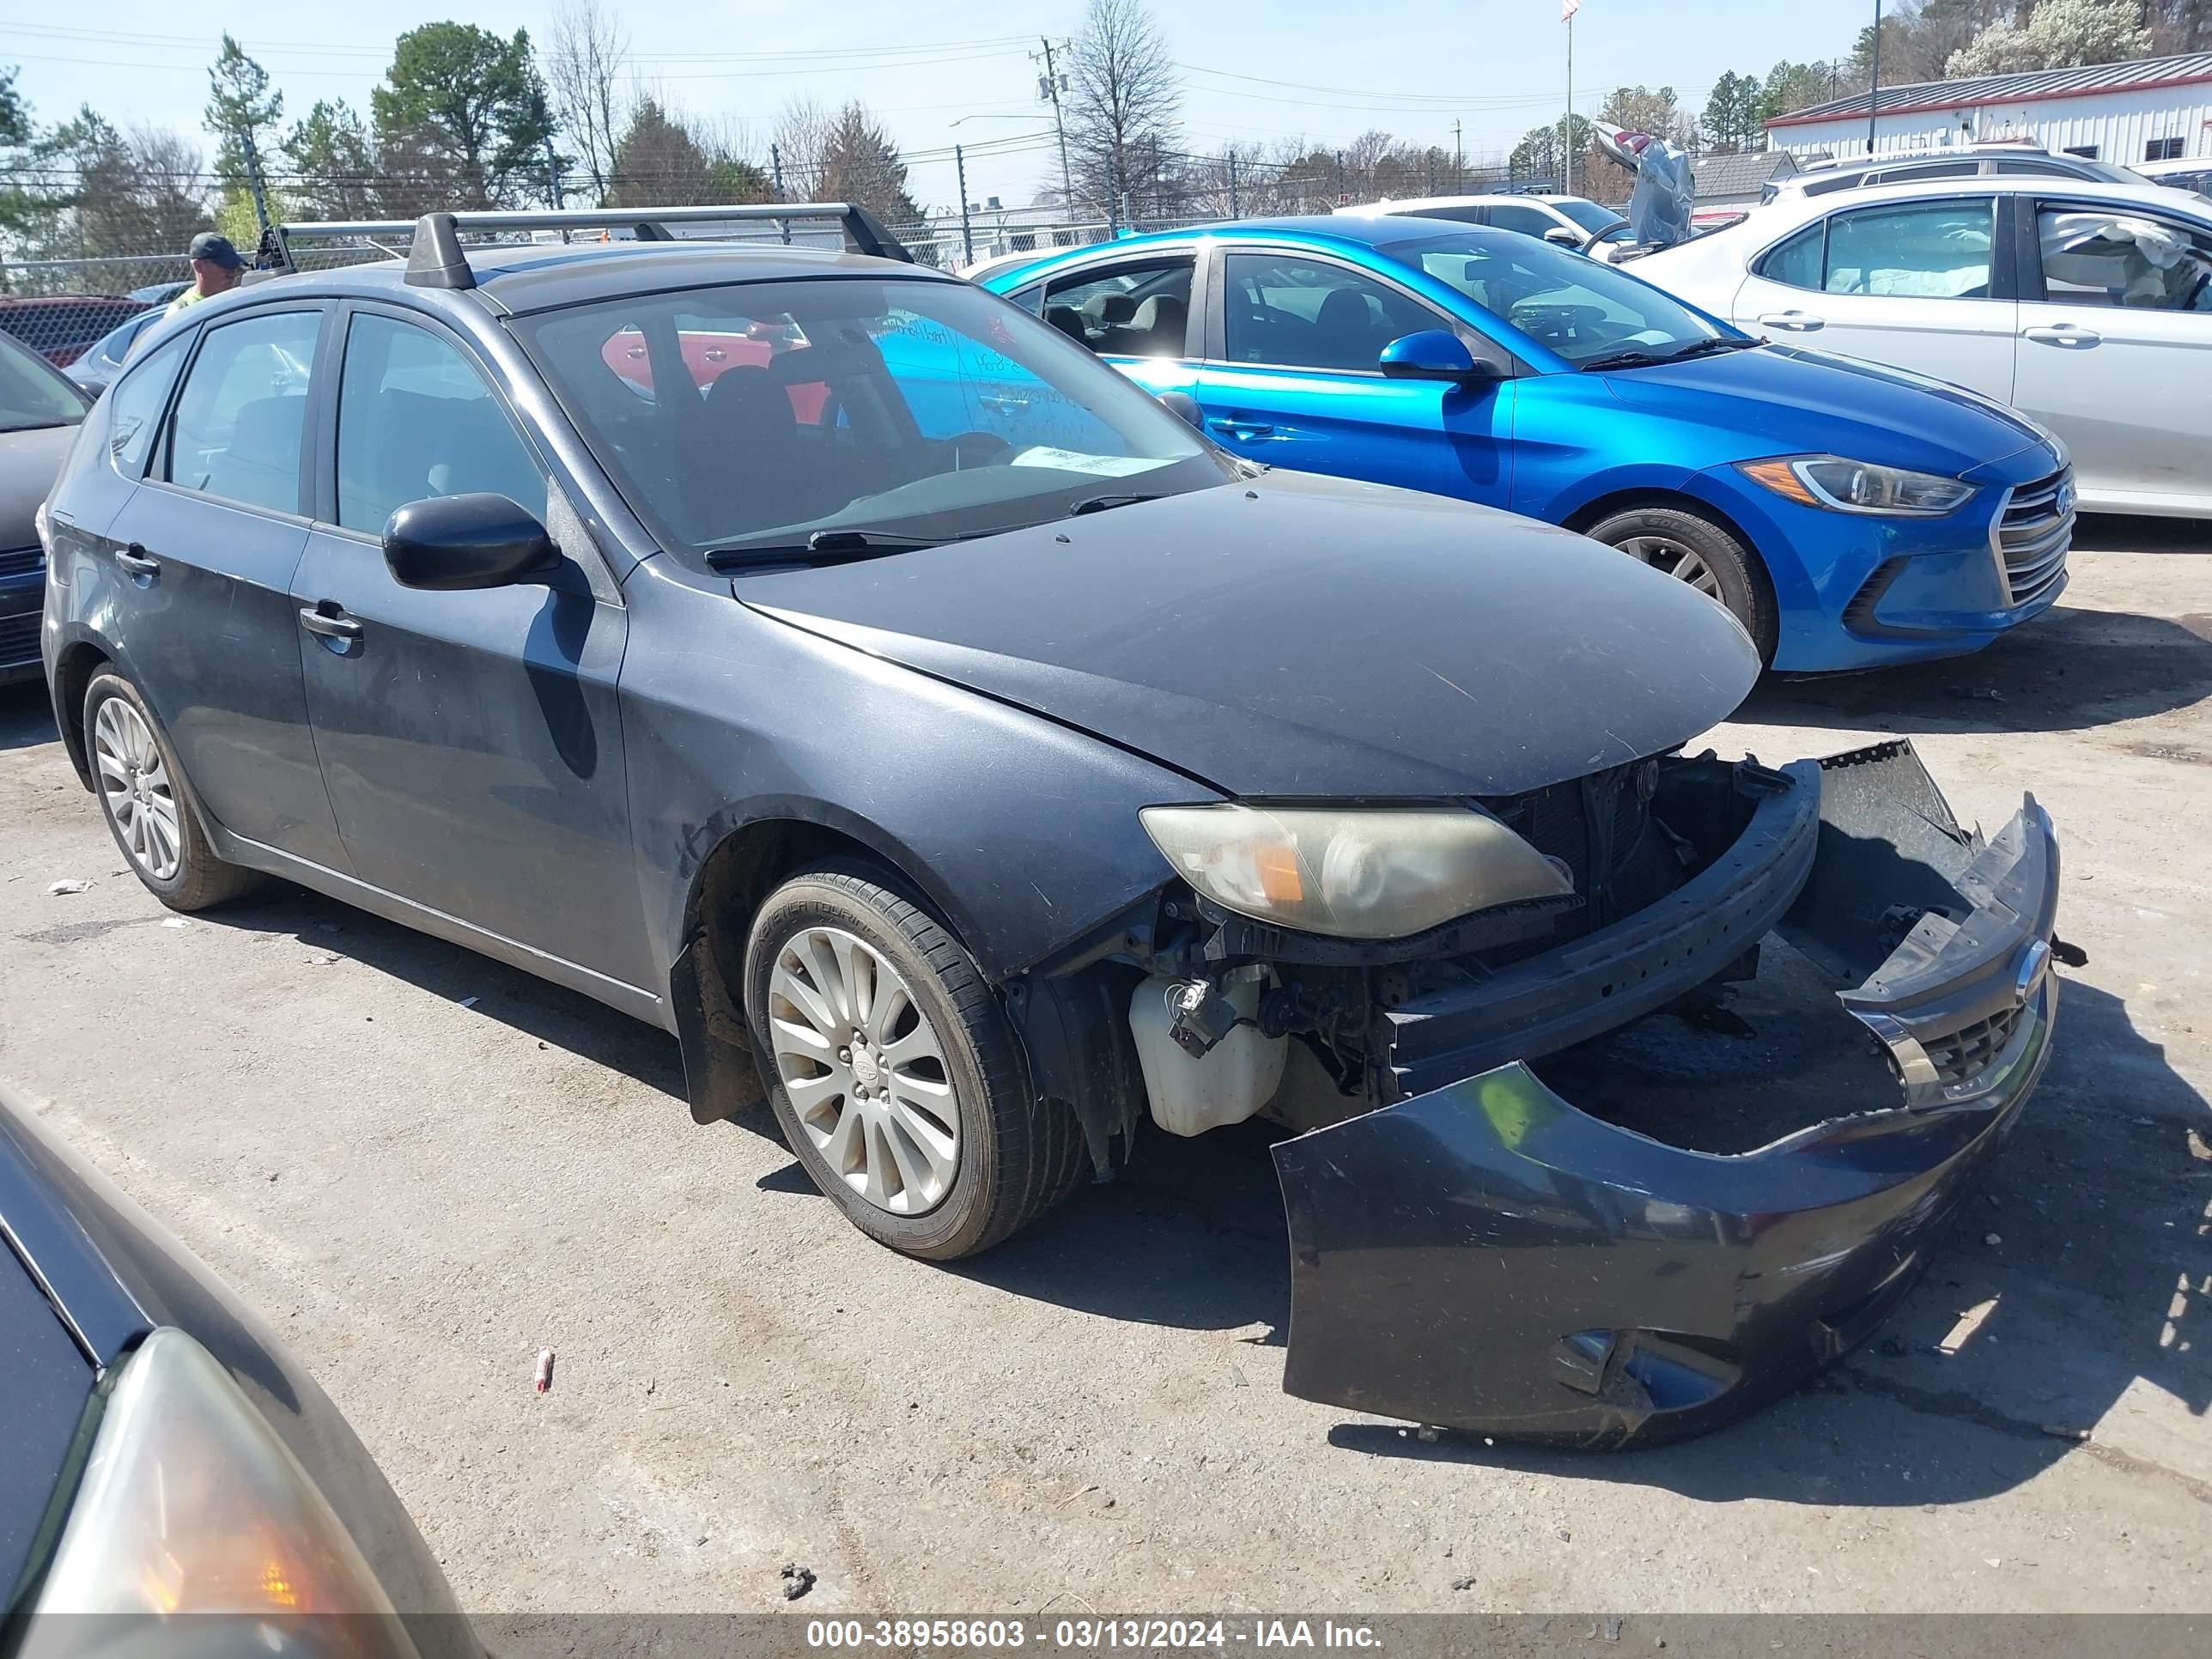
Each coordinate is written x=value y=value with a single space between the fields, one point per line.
x=216 y=268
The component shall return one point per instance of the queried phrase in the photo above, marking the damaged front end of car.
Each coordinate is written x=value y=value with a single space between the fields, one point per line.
x=1471 y=1249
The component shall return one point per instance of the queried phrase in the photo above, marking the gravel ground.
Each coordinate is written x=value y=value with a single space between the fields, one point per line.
x=424 y=1168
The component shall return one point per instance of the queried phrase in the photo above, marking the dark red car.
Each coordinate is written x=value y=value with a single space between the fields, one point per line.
x=63 y=327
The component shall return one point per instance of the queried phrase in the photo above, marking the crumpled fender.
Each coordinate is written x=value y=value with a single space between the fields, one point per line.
x=1487 y=1257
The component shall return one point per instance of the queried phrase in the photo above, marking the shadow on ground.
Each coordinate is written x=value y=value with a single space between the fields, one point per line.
x=2096 y=1205
x=2109 y=532
x=26 y=717
x=535 y=1007
x=2067 y=671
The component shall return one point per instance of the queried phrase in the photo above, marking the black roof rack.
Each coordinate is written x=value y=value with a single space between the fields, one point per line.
x=438 y=258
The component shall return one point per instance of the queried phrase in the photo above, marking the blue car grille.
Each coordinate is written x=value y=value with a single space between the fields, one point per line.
x=20 y=561
x=2033 y=534
x=19 y=640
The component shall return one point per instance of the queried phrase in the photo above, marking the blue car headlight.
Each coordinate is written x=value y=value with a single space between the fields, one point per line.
x=1846 y=486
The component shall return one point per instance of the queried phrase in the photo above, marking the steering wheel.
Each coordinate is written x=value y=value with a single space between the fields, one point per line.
x=977 y=448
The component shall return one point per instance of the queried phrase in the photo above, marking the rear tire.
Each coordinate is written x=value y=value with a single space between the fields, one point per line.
x=894 y=1072
x=148 y=803
x=1710 y=557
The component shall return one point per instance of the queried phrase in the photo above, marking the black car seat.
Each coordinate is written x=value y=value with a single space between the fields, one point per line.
x=260 y=464
x=743 y=469
x=1344 y=332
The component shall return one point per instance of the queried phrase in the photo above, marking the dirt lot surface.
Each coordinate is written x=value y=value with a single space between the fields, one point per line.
x=424 y=1168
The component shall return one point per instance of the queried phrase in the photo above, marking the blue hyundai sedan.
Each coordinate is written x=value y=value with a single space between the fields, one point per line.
x=1850 y=515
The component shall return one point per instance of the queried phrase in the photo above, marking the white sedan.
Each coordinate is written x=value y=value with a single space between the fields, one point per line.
x=2086 y=306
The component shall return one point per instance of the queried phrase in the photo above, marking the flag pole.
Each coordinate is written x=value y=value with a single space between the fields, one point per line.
x=1567 y=127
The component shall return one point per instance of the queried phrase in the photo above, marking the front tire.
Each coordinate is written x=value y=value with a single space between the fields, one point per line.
x=148 y=804
x=1709 y=557
x=893 y=1071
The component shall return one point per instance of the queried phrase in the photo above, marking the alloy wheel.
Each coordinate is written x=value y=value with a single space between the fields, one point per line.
x=136 y=785
x=1678 y=559
x=864 y=1070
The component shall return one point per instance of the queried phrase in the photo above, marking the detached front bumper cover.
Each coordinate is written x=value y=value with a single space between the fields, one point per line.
x=1486 y=1256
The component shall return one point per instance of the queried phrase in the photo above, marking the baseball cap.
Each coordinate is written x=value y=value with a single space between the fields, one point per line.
x=214 y=249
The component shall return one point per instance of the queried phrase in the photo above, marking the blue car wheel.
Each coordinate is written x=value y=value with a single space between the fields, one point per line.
x=1710 y=558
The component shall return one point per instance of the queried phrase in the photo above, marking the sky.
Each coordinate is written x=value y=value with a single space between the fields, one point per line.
x=1323 y=69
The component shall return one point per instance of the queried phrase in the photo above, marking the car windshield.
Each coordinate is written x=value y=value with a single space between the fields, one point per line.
x=1575 y=306
x=31 y=395
x=843 y=416
x=1588 y=215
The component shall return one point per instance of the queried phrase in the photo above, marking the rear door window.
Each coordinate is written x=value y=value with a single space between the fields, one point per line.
x=242 y=417
x=2116 y=257
x=1132 y=310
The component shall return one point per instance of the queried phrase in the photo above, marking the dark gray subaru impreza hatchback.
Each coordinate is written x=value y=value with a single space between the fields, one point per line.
x=830 y=662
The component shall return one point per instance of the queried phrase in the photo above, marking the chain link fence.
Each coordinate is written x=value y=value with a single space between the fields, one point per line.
x=63 y=307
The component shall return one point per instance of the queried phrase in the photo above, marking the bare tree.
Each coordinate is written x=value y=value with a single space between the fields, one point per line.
x=801 y=141
x=137 y=193
x=583 y=73
x=1123 y=101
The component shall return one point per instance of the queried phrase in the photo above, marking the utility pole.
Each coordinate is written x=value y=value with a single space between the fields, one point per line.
x=1874 y=92
x=1052 y=90
x=775 y=168
x=1459 y=162
x=553 y=178
x=967 y=232
x=1113 y=192
x=1233 y=211
x=1567 y=125
x=252 y=157
x=1342 y=196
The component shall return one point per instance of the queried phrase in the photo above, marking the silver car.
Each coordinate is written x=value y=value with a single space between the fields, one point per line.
x=2086 y=306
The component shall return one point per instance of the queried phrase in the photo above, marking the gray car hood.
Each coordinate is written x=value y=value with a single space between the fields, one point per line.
x=29 y=463
x=1304 y=636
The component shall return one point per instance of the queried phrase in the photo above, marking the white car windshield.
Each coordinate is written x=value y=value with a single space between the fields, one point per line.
x=844 y=415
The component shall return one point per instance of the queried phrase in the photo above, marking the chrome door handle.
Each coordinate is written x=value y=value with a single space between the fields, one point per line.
x=1234 y=428
x=137 y=562
x=999 y=403
x=1796 y=322
x=2062 y=334
x=331 y=624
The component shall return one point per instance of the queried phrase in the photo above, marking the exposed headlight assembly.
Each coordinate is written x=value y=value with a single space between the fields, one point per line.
x=1845 y=486
x=190 y=1504
x=1365 y=873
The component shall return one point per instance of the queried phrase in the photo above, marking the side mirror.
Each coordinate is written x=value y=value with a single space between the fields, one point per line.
x=1182 y=404
x=1560 y=236
x=451 y=542
x=1434 y=354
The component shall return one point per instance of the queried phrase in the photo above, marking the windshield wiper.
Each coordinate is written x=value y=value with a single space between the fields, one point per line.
x=1102 y=503
x=1646 y=359
x=824 y=544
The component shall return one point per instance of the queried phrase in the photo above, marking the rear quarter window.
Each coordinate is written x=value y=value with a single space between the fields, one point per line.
x=135 y=404
x=1797 y=261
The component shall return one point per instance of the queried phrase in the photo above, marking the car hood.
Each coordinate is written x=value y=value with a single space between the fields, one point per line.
x=1796 y=401
x=1302 y=636
x=29 y=463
